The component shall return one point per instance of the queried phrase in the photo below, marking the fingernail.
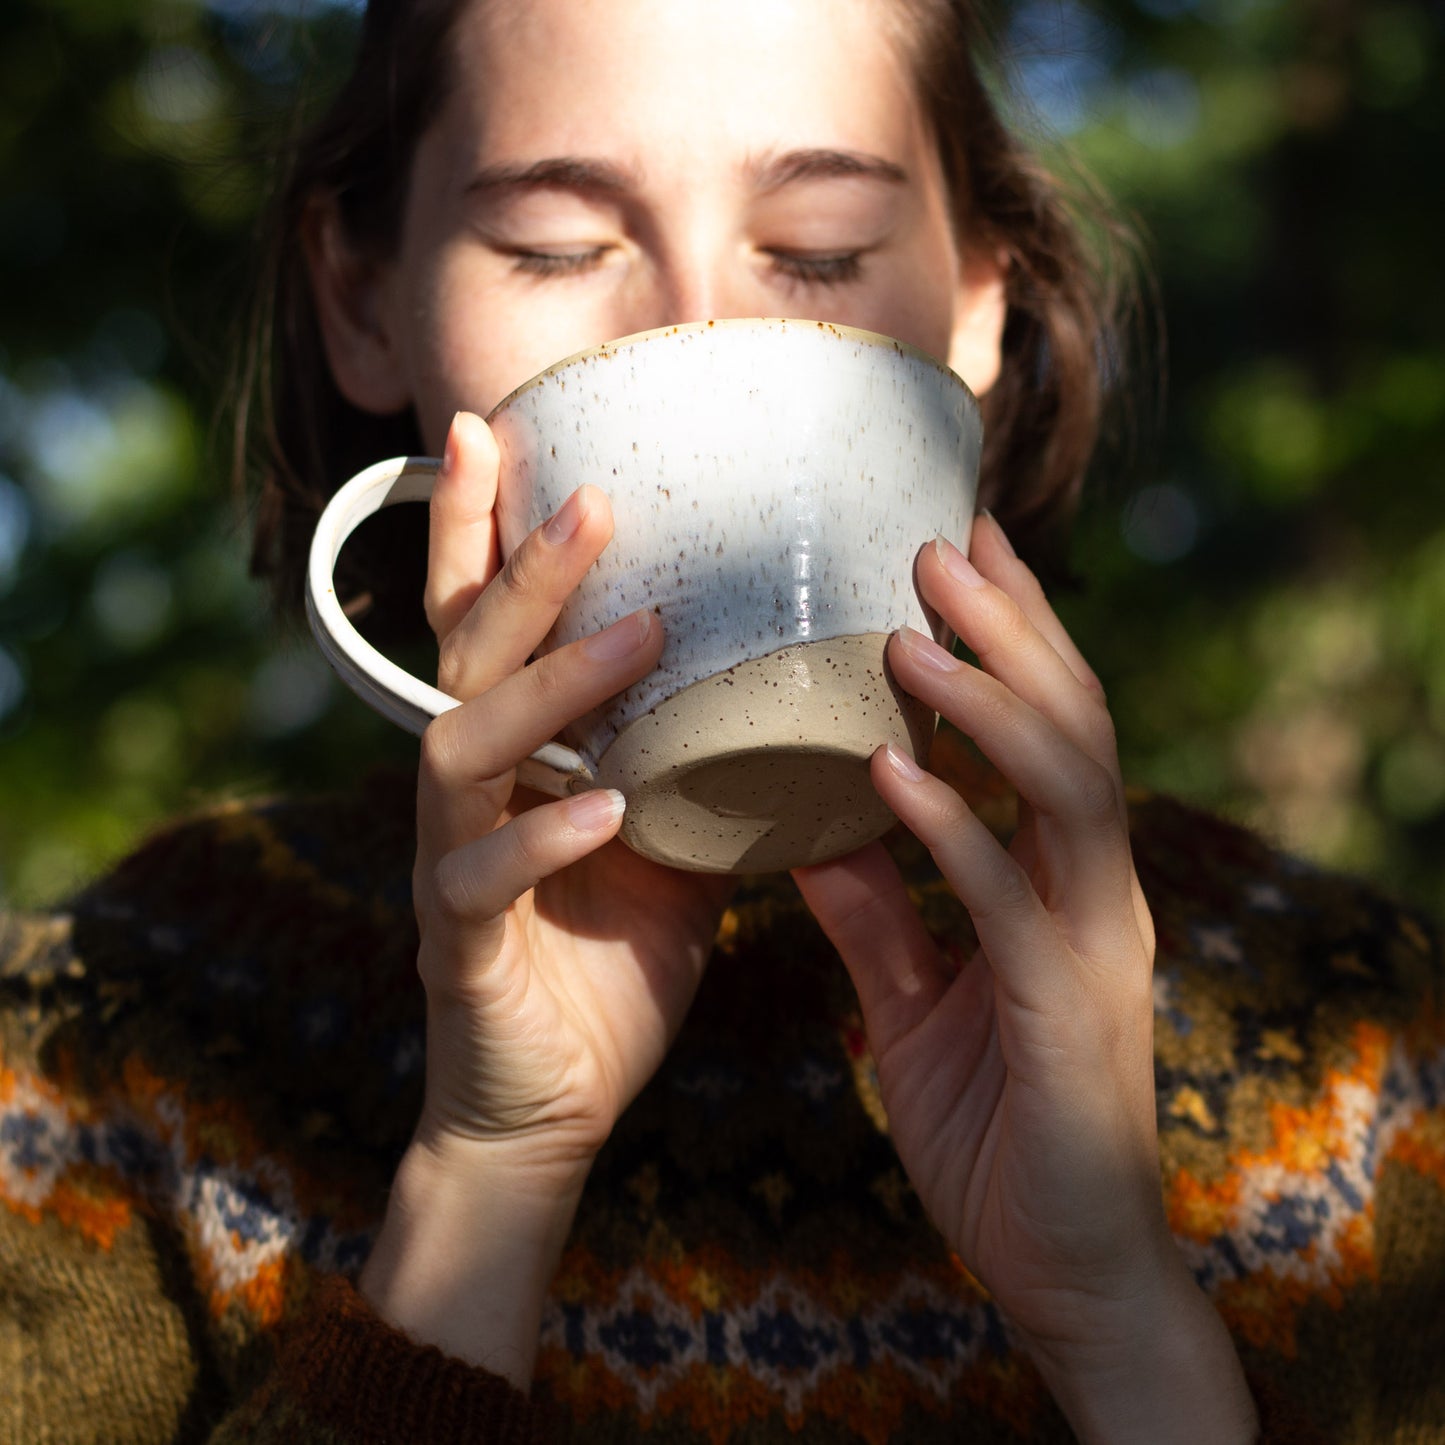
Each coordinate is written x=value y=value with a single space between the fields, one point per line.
x=956 y=564
x=619 y=639
x=926 y=651
x=1002 y=535
x=563 y=524
x=449 y=451
x=903 y=765
x=595 y=810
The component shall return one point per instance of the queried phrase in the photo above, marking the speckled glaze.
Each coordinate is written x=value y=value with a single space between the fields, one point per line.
x=764 y=766
x=771 y=482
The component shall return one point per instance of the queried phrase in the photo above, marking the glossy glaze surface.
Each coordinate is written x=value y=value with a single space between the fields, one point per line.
x=771 y=481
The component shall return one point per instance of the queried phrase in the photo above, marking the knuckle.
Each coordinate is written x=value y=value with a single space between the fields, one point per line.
x=439 y=752
x=451 y=660
x=1006 y=890
x=1096 y=793
x=549 y=688
x=517 y=579
x=1010 y=628
x=995 y=708
x=526 y=854
x=1029 y=590
x=1103 y=734
x=454 y=891
x=446 y=601
x=526 y=578
x=457 y=752
x=938 y=818
x=434 y=609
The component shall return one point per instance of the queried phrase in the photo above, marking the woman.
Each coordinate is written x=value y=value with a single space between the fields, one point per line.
x=500 y=185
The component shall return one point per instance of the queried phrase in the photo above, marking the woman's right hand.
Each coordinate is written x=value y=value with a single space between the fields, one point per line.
x=558 y=964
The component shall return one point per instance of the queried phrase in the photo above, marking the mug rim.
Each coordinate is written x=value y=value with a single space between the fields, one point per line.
x=776 y=324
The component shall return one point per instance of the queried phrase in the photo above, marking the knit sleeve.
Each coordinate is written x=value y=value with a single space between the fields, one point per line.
x=1300 y=1068
x=1410 y=1216
x=343 y=1375
x=146 y=1290
x=209 y=1062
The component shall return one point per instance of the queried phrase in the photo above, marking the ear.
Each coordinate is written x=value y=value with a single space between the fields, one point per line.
x=350 y=292
x=980 y=309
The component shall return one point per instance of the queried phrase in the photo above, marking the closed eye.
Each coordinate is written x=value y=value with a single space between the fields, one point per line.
x=817 y=270
x=558 y=263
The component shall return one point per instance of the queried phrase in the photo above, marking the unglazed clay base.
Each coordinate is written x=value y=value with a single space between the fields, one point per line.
x=765 y=766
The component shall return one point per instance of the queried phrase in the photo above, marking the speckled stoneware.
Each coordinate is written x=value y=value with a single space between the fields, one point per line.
x=771 y=483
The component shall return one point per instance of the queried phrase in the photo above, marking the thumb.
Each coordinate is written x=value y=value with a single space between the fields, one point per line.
x=462 y=550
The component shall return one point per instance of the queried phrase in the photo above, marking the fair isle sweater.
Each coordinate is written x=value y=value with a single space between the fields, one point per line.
x=211 y=1061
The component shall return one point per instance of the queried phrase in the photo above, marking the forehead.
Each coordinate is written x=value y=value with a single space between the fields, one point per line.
x=687 y=79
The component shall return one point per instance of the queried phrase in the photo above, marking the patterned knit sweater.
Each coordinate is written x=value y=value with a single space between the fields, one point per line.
x=210 y=1064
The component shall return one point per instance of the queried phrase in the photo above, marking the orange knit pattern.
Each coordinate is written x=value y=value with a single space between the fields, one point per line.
x=220 y=1051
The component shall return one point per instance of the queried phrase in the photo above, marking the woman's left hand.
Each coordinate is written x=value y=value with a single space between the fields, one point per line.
x=1020 y=1089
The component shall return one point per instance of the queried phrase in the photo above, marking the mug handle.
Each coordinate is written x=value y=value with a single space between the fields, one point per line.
x=405 y=700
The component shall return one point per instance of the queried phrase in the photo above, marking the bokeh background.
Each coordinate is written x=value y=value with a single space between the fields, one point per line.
x=1264 y=593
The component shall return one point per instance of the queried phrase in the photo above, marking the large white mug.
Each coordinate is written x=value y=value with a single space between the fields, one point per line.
x=771 y=483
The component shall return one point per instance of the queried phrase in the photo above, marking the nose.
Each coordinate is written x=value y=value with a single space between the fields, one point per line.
x=704 y=285
x=698 y=293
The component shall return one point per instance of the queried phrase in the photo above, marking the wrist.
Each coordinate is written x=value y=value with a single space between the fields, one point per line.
x=473 y=1233
x=1159 y=1368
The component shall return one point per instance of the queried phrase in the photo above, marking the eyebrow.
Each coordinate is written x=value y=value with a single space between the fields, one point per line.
x=566 y=173
x=767 y=173
x=772 y=173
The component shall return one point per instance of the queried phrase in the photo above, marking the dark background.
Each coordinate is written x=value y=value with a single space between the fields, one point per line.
x=1263 y=592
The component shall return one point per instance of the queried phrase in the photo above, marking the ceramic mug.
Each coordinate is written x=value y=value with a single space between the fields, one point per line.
x=771 y=483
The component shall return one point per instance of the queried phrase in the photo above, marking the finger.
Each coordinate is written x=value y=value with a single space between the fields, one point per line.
x=862 y=904
x=468 y=754
x=1010 y=648
x=472 y=886
x=1016 y=932
x=462 y=545
x=1088 y=868
x=993 y=555
x=518 y=607
x=1091 y=726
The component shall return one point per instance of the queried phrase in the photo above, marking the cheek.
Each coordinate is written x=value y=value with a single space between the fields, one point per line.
x=926 y=323
x=434 y=347
x=918 y=306
x=474 y=336
x=461 y=352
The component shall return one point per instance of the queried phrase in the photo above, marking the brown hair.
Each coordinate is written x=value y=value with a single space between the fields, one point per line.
x=1073 y=313
x=1067 y=296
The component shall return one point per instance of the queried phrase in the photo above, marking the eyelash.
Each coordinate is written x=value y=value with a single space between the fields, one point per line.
x=818 y=270
x=808 y=270
x=540 y=263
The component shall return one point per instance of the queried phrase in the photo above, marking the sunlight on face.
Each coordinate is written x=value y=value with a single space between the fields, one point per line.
x=606 y=166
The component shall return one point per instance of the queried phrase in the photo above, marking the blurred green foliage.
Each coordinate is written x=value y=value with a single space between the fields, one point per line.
x=1269 y=609
x=1264 y=598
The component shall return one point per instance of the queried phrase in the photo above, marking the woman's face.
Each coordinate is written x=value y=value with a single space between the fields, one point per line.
x=606 y=166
